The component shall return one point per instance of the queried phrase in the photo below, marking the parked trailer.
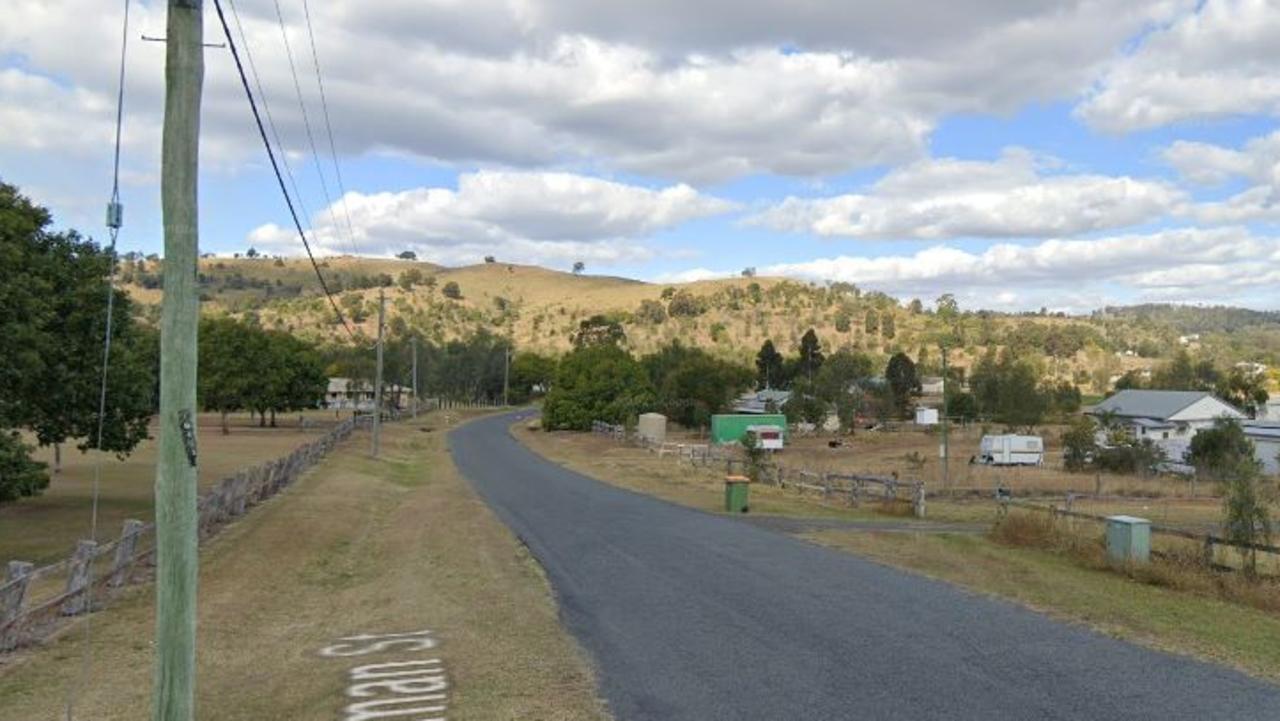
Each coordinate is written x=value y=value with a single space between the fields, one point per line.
x=1011 y=450
x=768 y=438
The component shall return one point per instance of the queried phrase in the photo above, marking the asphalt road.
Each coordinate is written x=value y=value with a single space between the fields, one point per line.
x=689 y=615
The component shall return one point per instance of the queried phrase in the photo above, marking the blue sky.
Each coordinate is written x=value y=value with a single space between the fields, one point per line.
x=1061 y=154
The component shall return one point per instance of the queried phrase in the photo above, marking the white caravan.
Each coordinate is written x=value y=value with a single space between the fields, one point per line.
x=1011 y=450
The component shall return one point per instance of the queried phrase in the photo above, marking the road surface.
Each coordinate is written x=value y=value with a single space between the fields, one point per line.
x=698 y=617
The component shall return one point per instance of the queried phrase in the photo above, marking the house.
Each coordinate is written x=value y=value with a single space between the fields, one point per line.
x=1270 y=411
x=769 y=400
x=357 y=394
x=1266 y=444
x=348 y=393
x=1174 y=416
x=931 y=385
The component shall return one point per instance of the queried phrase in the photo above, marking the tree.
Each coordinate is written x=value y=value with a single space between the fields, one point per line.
x=227 y=366
x=872 y=322
x=901 y=375
x=1246 y=520
x=888 y=328
x=691 y=384
x=651 y=311
x=769 y=367
x=1247 y=391
x=579 y=267
x=684 y=303
x=749 y=272
x=531 y=374
x=19 y=475
x=836 y=384
x=1079 y=444
x=53 y=296
x=599 y=330
x=410 y=278
x=452 y=291
x=407 y=255
x=490 y=259
x=251 y=253
x=1222 y=451
x=596 y=383
x=810 y=358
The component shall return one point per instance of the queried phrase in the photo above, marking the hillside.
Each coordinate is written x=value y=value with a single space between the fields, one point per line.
x=541 y=309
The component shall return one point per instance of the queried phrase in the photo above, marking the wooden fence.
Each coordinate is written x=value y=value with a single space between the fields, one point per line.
x=35 y=601
x=1208 y=543
x=852 y=489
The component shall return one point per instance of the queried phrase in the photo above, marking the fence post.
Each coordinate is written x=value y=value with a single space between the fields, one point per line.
x=123 y=560
x=855 y=492
x=1208 y=551
x=919 y=495
x=11 y=597
x=78 y=578
x=826 y=486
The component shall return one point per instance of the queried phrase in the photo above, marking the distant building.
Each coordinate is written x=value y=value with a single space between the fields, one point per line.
x=357 y=394
x=1165 y=415
x=768 y=400
x=931 y=385
x=1266 y=444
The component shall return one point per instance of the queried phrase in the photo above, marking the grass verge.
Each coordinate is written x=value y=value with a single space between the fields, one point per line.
x=356 y=546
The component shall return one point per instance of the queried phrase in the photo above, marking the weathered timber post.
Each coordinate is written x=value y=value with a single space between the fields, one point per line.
x=79 y=576
x=12 y=594
x=918 y=500
x=123 y=560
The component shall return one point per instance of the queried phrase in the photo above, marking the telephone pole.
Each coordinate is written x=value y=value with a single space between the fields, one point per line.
x=415 y=376
x=506 y=372
x=173 y=692
x=377 y=383
x=946 y=447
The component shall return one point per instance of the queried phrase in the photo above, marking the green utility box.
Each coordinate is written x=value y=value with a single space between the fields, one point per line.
x=1128 y=539
x=736 y=494
x=730 y=427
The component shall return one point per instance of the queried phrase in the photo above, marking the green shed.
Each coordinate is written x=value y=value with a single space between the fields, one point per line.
x=730 y=427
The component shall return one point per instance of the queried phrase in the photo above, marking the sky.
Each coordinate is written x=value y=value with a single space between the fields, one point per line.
x=1020 y=154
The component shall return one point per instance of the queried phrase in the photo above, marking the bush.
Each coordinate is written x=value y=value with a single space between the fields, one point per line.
x=20 y=476
x=596 y=383
x=451 y=290
x=686 y=304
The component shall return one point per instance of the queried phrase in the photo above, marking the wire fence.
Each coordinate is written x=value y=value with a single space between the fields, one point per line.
x=35 y=602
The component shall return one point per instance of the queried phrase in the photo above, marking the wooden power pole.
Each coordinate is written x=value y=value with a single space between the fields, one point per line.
x=946 y=446
x=377 y=383
x=415 y=376
x=173 y=694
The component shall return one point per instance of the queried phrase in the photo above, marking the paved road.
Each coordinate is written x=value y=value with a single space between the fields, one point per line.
x=691 y=616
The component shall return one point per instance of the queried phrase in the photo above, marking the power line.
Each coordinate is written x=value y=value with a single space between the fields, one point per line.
x=306 y=120
x=266 y=107
x=324 y=105
x=275 y=167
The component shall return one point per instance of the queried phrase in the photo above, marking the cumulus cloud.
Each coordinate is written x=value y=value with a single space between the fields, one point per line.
x=1222 y=59
x=1257 y=162
x=535 y=217
x=1167 y=264
x=949 y=198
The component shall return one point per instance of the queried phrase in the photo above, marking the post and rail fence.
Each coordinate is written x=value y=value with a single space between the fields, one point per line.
x=36 y=601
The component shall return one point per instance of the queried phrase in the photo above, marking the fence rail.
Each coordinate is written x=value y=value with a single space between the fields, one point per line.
x=32 y=601
x=854 y=489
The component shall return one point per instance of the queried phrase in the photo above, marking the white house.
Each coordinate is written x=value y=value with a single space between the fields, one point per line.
x=1266 y=444
x=768 y=400
x=931 y=385
x=1165 y=415
x=355 y=394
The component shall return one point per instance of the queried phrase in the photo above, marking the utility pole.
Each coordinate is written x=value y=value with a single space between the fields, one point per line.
x=506 y=372
x=415 y=376
x=173 y=693
x=946 y=447
x=377 y=383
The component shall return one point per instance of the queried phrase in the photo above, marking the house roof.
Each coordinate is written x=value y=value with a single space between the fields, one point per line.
x=757 y=402
x=1158 y=405
x=1262 y=430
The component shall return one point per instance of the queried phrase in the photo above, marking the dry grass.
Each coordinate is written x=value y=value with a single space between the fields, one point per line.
x=1176 y=564
x=356 y=546
x=45 y=528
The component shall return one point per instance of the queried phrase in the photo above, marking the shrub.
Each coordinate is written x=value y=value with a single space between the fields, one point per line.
x=20 y=476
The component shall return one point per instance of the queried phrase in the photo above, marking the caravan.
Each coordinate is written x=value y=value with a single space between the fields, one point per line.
x=1011 y=450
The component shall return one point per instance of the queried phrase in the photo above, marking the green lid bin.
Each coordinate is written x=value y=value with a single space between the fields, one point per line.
x=736 y=490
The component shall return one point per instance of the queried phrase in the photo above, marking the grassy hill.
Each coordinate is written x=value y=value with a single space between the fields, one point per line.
x=541 y=308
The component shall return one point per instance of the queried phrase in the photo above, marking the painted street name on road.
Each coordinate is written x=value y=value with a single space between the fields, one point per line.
x=413 y=686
